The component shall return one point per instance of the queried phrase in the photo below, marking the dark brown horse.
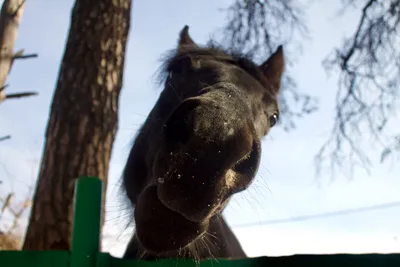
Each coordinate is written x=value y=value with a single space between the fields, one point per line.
x=199 y=146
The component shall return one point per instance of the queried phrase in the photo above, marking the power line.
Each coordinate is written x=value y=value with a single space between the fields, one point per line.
x=321 y=215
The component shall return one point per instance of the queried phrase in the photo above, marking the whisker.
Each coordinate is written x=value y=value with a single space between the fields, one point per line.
x=176 y=93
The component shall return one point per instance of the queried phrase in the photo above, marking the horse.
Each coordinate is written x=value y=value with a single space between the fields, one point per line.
x=199 y=145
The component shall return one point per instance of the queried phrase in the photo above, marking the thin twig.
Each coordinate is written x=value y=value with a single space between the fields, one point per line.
x=19 y=95
x=4 y=138
x=367 y=95
x=18 y=8
x=26 y=56
x=3 y=87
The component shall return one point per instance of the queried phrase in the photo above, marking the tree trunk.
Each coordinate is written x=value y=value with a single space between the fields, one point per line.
x=10 y=18
x=83 y=118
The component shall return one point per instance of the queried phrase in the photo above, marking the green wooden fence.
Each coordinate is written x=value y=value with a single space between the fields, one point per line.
x=85 y=246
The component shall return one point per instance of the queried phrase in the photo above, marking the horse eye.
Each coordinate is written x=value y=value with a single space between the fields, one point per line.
x=273 y=119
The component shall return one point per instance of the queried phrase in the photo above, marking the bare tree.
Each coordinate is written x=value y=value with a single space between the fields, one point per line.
x=257 y=27
x=83 y=118
x=16 y=211
x=10 y=18
x=367 y=97
x=368 y=63
x=9 y=235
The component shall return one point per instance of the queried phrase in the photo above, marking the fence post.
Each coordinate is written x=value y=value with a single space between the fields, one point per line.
x=86 y=222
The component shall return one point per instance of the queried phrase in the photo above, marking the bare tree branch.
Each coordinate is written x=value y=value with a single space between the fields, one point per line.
x=256 y=28
x=19 y=7
x=16 y=212
x=367 y=98
x=20 y=55
x=368 y=63
x=4 y=138
x=19 y=95
x=6 y=202
x=3 y=88
x=26 y=56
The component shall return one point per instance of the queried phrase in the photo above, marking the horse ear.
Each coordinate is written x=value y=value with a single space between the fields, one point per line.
x=273 y=69
x=185 y=39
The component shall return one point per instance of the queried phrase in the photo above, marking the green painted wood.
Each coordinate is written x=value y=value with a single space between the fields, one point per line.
x=85 y=246
x=34 y=258
x=86 y=225
x=334 y=260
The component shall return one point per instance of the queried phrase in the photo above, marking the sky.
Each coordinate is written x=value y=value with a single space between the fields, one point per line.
x=285 y=186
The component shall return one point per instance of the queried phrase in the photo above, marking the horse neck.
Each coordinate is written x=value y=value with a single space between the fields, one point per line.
x=220 y=243
x=226 y=243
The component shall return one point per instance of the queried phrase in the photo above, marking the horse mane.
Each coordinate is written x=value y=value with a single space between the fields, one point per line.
x=212 y=51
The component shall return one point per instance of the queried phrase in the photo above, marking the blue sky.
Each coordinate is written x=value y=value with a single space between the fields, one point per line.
x=285 y=185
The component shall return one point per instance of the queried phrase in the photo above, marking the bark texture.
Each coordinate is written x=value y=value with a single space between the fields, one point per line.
x=83 y=118
x=10 y=18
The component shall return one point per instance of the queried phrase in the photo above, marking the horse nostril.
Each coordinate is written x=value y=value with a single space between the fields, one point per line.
x=180 y=123
x=249 y=164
